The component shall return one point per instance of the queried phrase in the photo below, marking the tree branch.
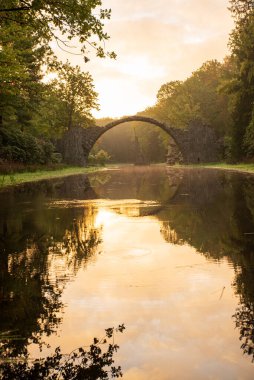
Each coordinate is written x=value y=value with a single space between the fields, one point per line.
x=25 y=8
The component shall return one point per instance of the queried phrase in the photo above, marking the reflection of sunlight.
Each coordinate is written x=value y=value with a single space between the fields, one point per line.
x=157 y=289
x=138 y=252
x=104 y=218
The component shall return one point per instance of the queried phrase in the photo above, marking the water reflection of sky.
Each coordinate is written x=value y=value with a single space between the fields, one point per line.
x=177 y=306
x=170 y=253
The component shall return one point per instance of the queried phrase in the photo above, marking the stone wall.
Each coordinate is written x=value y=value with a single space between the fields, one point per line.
x=197 y=144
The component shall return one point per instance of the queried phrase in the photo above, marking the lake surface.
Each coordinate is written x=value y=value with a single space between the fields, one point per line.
x=168 y=252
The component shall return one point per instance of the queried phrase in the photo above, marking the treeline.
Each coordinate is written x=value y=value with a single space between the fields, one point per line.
x=219 y=94
x=34 y=110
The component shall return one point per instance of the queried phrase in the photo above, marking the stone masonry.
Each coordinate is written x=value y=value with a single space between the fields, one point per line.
x=197 y=143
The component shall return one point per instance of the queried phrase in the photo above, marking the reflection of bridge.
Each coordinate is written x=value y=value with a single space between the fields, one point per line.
x=198 y=143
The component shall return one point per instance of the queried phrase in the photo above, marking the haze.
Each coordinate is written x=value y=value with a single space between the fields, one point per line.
x=155 y=42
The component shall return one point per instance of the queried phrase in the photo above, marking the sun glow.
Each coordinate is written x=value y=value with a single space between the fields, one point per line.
x=118 y=98
x=104 y=218
x=167 y=41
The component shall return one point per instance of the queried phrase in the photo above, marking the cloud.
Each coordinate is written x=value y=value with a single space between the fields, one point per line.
x=156 y=42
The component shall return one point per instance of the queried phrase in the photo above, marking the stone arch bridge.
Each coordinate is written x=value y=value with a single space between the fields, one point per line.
x=198 y=143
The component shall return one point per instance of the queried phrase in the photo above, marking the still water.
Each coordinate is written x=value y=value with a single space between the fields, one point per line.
x=167 y=252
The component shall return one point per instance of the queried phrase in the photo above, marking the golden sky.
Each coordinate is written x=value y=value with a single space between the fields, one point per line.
x=156 y=42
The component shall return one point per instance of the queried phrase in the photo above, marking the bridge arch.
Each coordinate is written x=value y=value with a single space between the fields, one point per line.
x=144 y=119
x=197 y=143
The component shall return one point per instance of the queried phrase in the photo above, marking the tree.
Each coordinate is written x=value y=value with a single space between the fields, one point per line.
x=99 y=158
x=168 y=90
x=242 y=46
x=72 y=18
x=198 y=97
x=20 y=74
x=75 y=90
x=26 y=29
x=241 y=8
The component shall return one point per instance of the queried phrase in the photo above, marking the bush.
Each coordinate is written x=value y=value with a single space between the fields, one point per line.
x=99 y=158
x=57 y=158
x=22 y=147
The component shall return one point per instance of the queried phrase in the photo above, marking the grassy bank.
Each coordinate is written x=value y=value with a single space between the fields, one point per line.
x=17 y=178
x=245 y=168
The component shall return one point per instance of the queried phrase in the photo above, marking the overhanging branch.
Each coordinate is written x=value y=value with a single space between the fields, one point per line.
x=18 y=9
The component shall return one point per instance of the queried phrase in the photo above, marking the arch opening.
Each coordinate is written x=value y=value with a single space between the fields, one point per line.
x=137 y=141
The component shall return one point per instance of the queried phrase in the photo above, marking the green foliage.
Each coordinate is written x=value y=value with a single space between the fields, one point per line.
x=73 y=19
x=19 y=146
x=198 y=97
x=99 y=158
x=241 y=8
x=26 y=102
x=249 y=138
x=89 y=364
x=66 y=102
x=75 y=90
x=20 y=74
x=176 y=104
x=242 y=46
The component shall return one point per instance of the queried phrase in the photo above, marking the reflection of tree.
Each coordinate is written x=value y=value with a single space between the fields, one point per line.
x=244 y=320
x=29 y=302
x=210 y=212
x=91 y=364
x=79 y=242
x=35 y=241
x=43 y=247
x=244 y=315
x=214 y=212
x=169 y=234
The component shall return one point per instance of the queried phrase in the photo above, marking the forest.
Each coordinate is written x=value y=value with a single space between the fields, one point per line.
x=35 y=111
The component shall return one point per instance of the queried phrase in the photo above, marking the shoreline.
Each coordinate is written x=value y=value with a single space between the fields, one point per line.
x=239 y=168
x=14 y=179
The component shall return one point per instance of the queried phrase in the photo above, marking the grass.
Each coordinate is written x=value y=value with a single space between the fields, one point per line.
x=18 y=178
x=245 y=168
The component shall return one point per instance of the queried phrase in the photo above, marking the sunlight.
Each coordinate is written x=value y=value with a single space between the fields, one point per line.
x=104 y=218
x=141 y=67
x=118 y=98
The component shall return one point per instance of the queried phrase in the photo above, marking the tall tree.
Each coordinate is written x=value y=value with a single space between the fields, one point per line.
x=242 y=46
x=197 y=97
x=20 y=74
x=77 y=96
